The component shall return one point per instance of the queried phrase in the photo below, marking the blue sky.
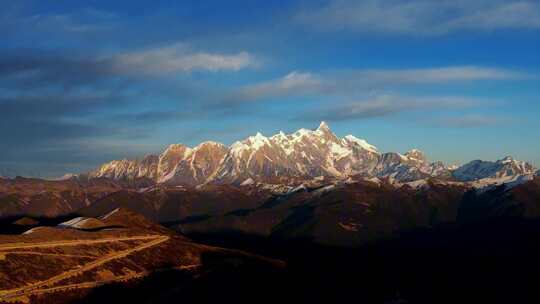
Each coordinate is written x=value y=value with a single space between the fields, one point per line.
x=82 y=83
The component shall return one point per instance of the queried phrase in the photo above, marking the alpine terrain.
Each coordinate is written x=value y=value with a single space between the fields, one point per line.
x=301 y=156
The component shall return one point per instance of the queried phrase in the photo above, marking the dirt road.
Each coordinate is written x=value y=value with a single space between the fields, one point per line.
x=50 y=254
x=46 y=284
x=11 y=246
x=108 y=281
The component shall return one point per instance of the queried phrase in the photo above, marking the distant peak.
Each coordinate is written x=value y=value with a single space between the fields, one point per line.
x=323 y=126
x=507 y=159
x=416 y=154
x=65 y=177
x=324 y=131
x=256 y=141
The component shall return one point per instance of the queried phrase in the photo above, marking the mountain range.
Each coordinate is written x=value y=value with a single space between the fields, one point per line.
x=327 y=208
x=302 y=156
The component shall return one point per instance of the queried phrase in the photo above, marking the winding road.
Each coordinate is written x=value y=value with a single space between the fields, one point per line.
x=46 y=285
x=11 y=246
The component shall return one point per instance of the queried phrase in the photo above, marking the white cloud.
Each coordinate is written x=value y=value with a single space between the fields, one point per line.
x=470 y=121
x=437 y=75
x=509 y=15
x=179 y=58
x=355 y=81
x=422 y=16
x=291 y=84
x=385 y=105
x=80 y=22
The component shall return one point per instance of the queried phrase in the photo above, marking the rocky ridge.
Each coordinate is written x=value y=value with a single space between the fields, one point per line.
x=298 y=157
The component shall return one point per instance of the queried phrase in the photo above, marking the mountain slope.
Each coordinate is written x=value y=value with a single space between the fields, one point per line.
x=26 y=196
x=348 y=214
x=521 y=201
x=58 y=265
x=169 y=204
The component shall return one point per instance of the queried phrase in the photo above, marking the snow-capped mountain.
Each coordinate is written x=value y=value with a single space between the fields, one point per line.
x=303 y=155
x=410 y=166
x=64 y=177
x=129 y=169
x=196 y=166
x=177 y=164
x=503 y=168
x=293 y=158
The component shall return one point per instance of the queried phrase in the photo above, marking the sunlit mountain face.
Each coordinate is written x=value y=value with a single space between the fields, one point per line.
x=303 y=156
x=261 y=151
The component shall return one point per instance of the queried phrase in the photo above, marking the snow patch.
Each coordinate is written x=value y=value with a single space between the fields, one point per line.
x=362 y=143
x=32 y=230
x=106 y=216
x=247 y=182
x=78 y=222
x=339 y=151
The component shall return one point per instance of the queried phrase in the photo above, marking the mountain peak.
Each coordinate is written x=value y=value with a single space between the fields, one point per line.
x=176 y=149
x=258 y=139
x=323 y=126
x=324 y=131
x=507 y=159
x=416 y=154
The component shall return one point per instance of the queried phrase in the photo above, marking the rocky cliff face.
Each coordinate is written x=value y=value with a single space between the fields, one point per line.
x=198 y=165
x=129 y=169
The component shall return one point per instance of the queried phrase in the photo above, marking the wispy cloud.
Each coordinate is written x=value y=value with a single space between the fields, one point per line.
x=386 y=105
x=33 y=67
x=179 y=58
x=422 y=16
x=347 y=82
x=293 y=83
x=88 y=20
x=471 y=121
x=438 y=75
